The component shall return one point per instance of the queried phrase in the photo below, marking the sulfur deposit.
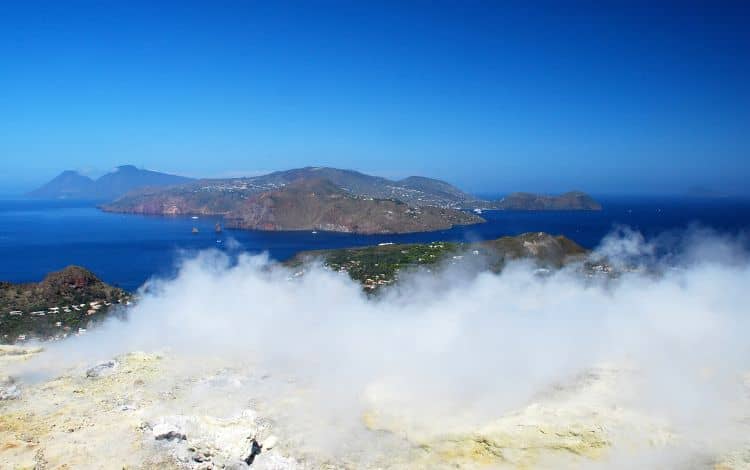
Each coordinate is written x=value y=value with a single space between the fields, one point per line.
x=143 y=410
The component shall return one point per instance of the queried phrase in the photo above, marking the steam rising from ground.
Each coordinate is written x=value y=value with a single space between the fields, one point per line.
x=449 y=351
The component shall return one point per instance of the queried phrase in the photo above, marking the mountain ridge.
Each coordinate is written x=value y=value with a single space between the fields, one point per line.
x=414 y=190
x=332 y=199
x=319 y=204
x=71 y=184
x=303 y=204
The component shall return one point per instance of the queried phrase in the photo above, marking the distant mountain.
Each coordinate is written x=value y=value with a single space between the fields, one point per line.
x=573 y=200
x=307 y=203
x=160 y=193
x=415 y=190
x=66 y=185
x=126 y=178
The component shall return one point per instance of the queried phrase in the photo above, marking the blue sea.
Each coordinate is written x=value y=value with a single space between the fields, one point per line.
x=37 y=237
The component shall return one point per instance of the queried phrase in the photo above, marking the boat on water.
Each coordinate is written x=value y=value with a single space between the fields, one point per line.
x=195 y=230
x=195 y=217
x=217 y=228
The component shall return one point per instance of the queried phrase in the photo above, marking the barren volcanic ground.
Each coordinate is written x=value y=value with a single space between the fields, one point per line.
x=160 y=411
x=248 y=364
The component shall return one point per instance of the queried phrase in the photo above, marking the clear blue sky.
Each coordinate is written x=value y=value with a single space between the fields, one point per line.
x=491 y=96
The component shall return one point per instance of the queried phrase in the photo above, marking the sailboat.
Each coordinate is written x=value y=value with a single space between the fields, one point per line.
x=195 y=229
x=217 y=228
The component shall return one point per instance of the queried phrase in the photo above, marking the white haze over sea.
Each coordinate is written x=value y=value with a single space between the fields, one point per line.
x=454 y=347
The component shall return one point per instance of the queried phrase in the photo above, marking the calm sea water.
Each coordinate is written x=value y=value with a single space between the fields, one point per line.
x=37 y=237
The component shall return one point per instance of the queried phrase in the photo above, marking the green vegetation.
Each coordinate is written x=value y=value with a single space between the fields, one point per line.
x=59 y=305
x=378 y=266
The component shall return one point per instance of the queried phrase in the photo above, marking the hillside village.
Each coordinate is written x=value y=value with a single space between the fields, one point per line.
x=53 y=323
x=64 y=303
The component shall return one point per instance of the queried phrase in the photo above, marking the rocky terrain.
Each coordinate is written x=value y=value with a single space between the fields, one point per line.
x=141 y=410
x=61 y=304
x=378 y=266
x=574 y=200
x=254 y=366
x=414 y=190
x=321 y=205
x=304 y=204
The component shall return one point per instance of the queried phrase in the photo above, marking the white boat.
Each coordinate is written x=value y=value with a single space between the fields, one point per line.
x=314 y=232
x=195 y=217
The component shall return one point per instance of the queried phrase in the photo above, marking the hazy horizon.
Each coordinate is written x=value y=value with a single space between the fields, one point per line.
x=487 y=194
x=631 y=99
x=314 y=318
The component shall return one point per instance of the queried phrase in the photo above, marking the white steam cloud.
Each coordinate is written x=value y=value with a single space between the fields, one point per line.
x=451 y=350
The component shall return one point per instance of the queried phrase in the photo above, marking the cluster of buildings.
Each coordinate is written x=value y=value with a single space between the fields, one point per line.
x=90 y=308
x=411 y=196
x=416 y=197
x=377 y=280
x=82 y=310
x=66 y=329
x=239 y=186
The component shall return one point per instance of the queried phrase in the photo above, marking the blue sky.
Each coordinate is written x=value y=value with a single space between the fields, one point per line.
x=492 y=96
